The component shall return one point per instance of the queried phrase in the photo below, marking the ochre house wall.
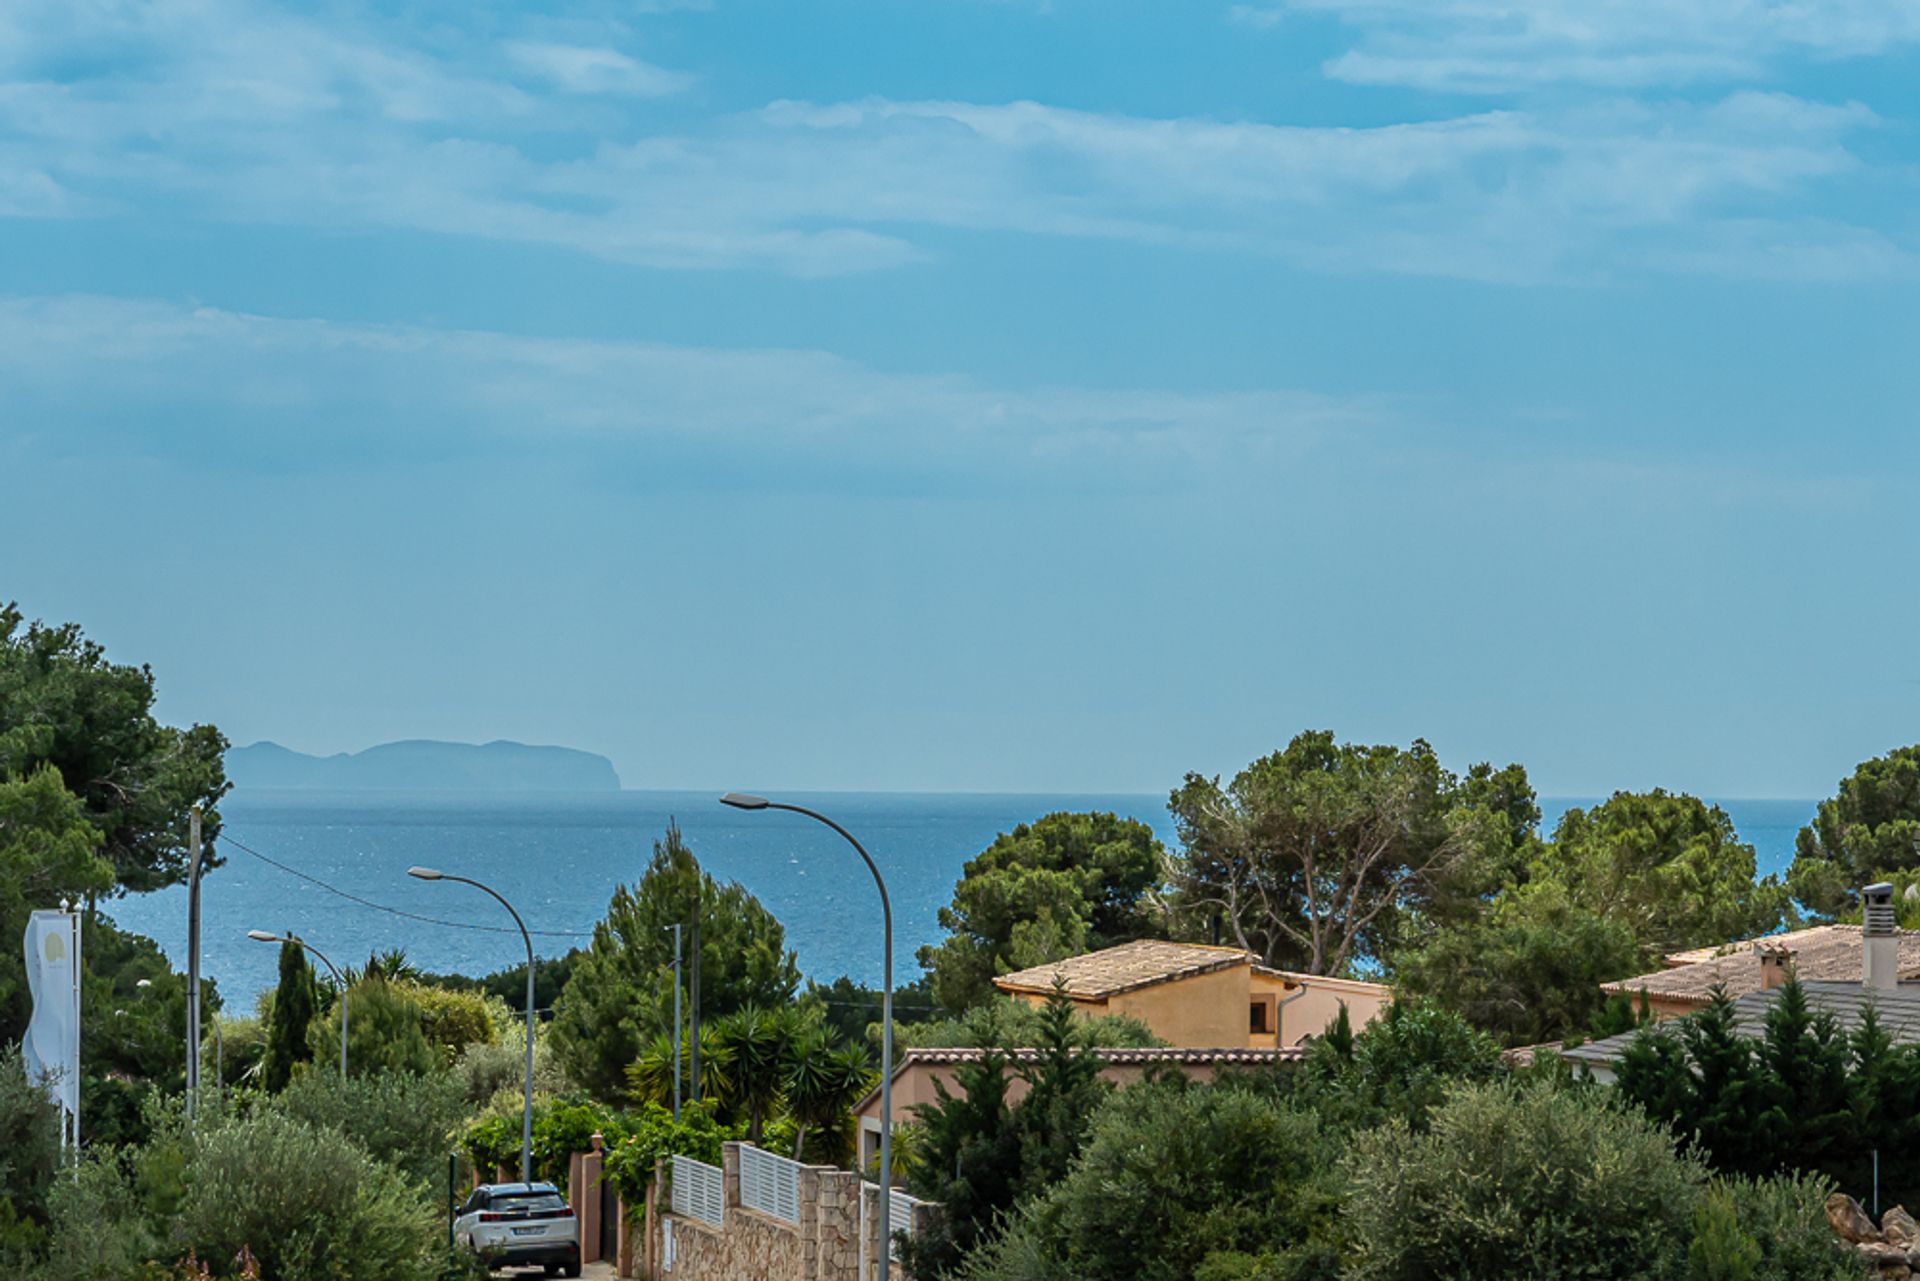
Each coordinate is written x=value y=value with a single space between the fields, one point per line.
x=1319 y=1007
x=1207 y=1010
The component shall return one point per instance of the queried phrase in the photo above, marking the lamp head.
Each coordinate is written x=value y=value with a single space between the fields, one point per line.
x=744 y=801
x=426 y=873
x=261 y=936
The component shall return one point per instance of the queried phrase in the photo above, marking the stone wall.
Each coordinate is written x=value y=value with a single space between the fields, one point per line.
x=749 y=1246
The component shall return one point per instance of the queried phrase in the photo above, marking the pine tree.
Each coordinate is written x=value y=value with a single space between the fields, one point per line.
x=294 y=1001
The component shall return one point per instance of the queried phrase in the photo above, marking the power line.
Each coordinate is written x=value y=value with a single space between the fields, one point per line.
x=394 y=911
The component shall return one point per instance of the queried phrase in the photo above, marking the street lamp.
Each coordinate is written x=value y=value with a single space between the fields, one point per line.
x=744 y=801
x=526 y=1116
x=261 y=936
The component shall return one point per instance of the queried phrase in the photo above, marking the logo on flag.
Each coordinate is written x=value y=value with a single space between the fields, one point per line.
x=52 y=1043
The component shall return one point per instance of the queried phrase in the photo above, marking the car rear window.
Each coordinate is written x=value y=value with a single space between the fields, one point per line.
x=527 y=1202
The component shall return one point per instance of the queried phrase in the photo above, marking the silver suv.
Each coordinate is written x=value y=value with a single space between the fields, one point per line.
x=521 y=1225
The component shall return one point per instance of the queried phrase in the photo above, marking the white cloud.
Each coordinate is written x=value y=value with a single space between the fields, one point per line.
x=185 y=381
x=1500 y=46
x=581 y=69
x=243 y=113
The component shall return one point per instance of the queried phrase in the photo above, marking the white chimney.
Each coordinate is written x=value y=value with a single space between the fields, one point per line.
x=1880 y=941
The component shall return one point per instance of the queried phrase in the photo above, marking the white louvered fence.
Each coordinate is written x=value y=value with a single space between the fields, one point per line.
x=770 y=1184
x=901 y=1219
x=697 y=1190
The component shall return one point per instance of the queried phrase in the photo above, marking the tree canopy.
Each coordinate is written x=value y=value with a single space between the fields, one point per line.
x=1059 y=886
x=1618 y=885
x=63 y=704
x=1868 y=830
x=1321 y=855
x=619 y=995
x=1667 y=866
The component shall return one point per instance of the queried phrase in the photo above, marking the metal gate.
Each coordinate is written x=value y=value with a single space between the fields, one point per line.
x=609 y=1220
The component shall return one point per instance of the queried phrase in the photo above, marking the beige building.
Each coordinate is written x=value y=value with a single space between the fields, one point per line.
x=1193 y=995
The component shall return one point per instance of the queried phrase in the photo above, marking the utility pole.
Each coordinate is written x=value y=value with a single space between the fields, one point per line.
x=193 y=958
x=693 y=992
x=676 y=1021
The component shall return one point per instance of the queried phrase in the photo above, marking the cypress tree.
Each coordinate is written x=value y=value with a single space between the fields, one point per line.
x=1726 y=1091
x=1808 y=1101
x=294 y=1001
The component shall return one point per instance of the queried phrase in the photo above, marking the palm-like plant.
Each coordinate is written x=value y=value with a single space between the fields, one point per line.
x=754 y=1041
x=821 y=1083
x=650 y=1077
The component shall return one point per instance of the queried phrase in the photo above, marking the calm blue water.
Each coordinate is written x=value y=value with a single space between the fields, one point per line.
x=558 y=858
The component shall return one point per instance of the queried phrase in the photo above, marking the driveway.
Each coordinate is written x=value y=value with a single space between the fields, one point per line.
x=590 y=1272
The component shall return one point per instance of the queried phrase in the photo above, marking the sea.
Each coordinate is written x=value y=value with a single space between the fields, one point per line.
x=332 y=867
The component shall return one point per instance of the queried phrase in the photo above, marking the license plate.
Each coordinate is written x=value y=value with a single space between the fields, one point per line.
x=528 y=1232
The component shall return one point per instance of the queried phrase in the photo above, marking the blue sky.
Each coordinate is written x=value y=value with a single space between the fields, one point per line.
x=979 y=394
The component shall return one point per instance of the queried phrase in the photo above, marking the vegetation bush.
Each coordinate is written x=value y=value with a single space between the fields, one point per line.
x=979 y=1157
x=1786 y=1219
x=453 y=1021
x=308 y=1202
x=405 y=1121
x=485 y=1069
x=1399 y=1066
x=384 y=1031
x=29 y=1155
x=1532 y=1183
x=650 y=1134
x=241 y=1053
x=101 y=1231
x=1178 y=1182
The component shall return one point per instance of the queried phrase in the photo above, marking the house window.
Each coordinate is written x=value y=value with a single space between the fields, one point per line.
x=1260 y=1017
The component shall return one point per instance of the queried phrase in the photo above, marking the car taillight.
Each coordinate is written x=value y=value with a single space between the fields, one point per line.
x=492 y=1218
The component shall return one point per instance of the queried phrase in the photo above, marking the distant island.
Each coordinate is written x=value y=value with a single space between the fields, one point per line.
x=421 y=765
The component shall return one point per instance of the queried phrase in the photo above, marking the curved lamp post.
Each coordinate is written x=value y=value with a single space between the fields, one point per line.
x=526 y=1116
x=743 y=801
x=261 y=936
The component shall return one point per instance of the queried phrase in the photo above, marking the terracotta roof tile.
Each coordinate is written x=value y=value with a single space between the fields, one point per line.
x=1124 y=968
x=1823 y=953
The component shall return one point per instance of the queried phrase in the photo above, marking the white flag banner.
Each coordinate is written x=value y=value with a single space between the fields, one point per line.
x=52 y=1042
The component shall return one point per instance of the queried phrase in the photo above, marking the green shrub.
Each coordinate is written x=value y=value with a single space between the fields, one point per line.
x=308 y=1202
x=1786 y=1217
x=242 y=1051
x=1398 y=1067
x=1176 y=1178
x=1534 y=1183
x=101 y=1231
x=400 y=1119
x=1721 y=1250
x=384 y=1032
x=484 y=1069
x=29 y=1155
x=453 y=1021
x=651 y=1134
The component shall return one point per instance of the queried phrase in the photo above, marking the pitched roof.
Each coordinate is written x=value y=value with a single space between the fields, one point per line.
x=1122 y=969
x=1823 y=953
x=1136 y=1056
x=1898 y=1008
